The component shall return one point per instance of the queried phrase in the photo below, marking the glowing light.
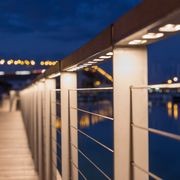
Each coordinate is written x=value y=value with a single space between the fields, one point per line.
x=92 y=62
x=22 y=72
x=33 y=62
x=42 y=63
x=43 y=70
x=175 y=79
x=97 y=83
x=98 y=60
x=58 y=124
x=15 y=62
x=169 y=81
x=175 y=111
x=170 y=28
x=46 y=63
x=55 y=75
x=2 y=73
x=109 y=54
x=2 y=61
x=27 y=62
x=137 y=42
x=105 y=57
x=153 y=35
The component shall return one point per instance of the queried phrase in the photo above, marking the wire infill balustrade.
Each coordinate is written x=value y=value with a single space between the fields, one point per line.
x=93 y=109
x=55 y=129
x=155 y=130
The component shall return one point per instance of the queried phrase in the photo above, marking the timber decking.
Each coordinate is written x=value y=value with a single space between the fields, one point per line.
x=15 y=157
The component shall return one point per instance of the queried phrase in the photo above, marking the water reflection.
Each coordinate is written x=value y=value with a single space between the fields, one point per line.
x=104 y=108
x=172 y=109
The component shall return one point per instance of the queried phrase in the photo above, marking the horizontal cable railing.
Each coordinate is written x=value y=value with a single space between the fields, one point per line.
x=85 y=92
x=150 y=130
x=55 y=126
x=96 y=166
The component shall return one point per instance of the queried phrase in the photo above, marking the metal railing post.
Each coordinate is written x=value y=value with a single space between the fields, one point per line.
x=129 y=68
x=49 y=85
x=68 y=81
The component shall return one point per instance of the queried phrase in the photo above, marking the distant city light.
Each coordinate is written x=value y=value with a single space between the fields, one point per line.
x=175 y=79
x=170 y=28
x=153 y=35
x=2 y=73
x=33 y=62
x=22 y=72
x=169 y=81
x=2 y=61
x=137 y=42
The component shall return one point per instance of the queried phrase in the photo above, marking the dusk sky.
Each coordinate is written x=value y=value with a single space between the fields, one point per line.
x=51 y=29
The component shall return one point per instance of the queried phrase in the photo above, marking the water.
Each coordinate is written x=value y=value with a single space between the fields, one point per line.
x=164 y=159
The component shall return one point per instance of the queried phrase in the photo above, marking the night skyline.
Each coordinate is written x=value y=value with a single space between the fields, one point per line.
x=52 y=30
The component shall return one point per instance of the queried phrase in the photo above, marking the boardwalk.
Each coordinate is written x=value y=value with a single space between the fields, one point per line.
x=15 y=157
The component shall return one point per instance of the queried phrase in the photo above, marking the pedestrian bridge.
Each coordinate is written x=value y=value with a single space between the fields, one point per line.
x=124 y=129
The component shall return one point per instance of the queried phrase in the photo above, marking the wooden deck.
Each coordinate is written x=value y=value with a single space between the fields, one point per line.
x=15 y=157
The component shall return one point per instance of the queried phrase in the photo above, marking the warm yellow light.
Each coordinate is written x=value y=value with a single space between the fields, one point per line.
x=153 y=35
x=169 y=81
x=46 y=63
x=170 y=28
x=97 y=83
x=27 y=62
x=22 y=62
x=175 y=111
x=137 y=42
x=15 y=62
x=42 y=63
x=175 y=79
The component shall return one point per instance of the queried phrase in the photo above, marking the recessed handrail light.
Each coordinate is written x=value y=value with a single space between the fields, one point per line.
x=98 y=60
x=92 y=62
x=105 y=57
x=109 y=54
x=153 y=35
x=170 y=28
x=137 y=42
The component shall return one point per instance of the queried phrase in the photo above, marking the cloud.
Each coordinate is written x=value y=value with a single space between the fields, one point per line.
x=55 y=22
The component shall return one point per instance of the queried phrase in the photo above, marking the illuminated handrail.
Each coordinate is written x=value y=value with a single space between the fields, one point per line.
x=146 y=172
x=159 y=132
x=95 y=114
x=96 y=166
x=93 y=139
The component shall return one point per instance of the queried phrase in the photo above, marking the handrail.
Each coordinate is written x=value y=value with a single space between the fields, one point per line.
x=95 y=114
x=159 y=132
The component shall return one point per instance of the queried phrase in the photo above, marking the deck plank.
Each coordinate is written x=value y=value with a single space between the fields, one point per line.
x=15 y=157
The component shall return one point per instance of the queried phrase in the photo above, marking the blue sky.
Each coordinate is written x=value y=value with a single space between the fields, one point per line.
x=52 y=29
